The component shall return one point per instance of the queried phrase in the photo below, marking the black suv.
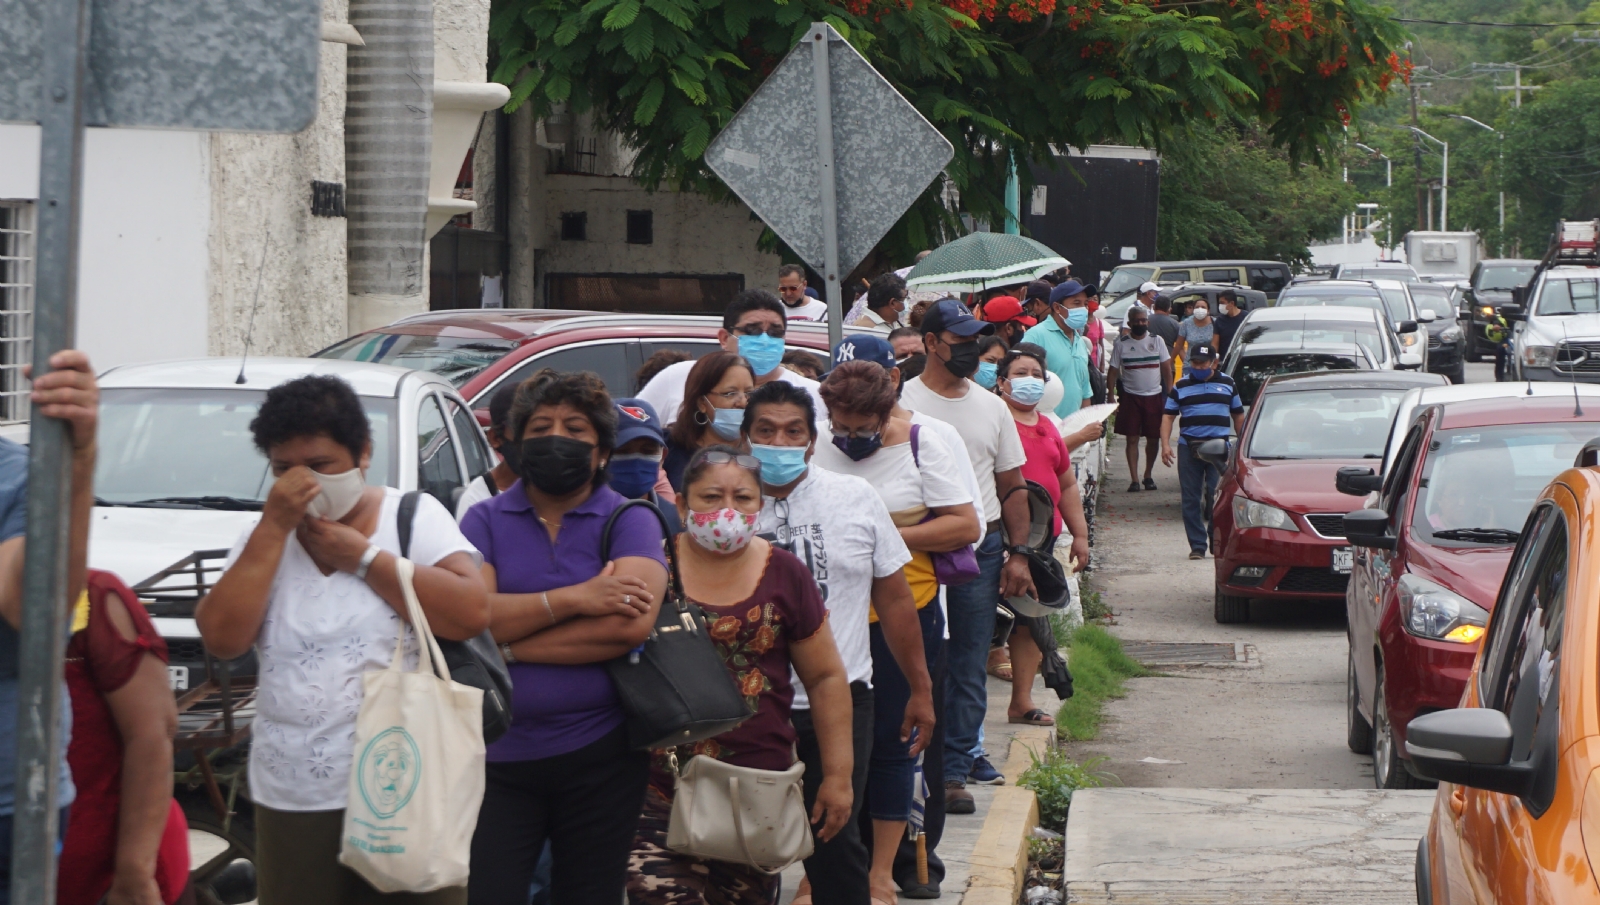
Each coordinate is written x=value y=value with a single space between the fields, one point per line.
x=1491 y=285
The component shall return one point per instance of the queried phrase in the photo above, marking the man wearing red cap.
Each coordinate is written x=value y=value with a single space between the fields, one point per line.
x=1005 y=312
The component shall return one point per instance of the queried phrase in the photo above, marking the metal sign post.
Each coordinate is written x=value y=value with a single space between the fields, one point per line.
x=822 y=78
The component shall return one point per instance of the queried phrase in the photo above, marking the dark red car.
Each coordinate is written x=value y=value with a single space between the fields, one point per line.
x=479 y=349
x=1430 y=551
x=1277 y=526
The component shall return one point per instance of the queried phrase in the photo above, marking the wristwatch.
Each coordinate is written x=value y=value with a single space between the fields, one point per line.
x=1020 y=549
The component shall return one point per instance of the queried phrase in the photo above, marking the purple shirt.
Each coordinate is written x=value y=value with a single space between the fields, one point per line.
x=555 y=708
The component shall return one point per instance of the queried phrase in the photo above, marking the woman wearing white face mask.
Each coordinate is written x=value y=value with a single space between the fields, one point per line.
x=1195 y=330
x=313 y=588
x=1049 y=464
x=766 y=615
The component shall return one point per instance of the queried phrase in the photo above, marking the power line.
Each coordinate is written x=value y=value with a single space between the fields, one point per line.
x=1489 y=24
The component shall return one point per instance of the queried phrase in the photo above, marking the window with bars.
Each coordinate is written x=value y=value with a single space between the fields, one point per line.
x=16 y=307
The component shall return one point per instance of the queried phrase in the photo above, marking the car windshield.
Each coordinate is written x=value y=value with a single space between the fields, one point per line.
x=1251 y=371
x=1504 y=279
x=1126 y=279
x=1478 y=483
x=1341 y=298
x=1378 y=272
x=1568 y=297
x=1435 y=299
x=1301 y=332
x=193 y=448
x=1118 y=310
x=455 y=358
x=1324 y=424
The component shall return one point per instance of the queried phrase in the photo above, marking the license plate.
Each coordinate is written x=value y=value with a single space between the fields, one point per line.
x=179 y=677
x=1341 y=560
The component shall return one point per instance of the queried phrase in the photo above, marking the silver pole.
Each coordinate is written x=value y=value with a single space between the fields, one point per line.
x=1444 y=192
x=42 y=643
x=822 y=80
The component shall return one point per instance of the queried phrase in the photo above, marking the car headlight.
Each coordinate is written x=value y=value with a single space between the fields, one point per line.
x=1430 y=611
x=1487 y=311
x=1450 y=334
x=1538 y=356
x=1410 y=339
x=1248 y=513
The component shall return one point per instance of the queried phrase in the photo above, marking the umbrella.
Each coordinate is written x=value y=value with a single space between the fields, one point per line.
x=914 y=823
x=975 y=262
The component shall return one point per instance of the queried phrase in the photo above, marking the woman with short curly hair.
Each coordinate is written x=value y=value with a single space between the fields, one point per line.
x=564 y=772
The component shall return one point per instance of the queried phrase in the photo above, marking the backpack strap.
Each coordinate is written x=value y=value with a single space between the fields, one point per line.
x=404 y=518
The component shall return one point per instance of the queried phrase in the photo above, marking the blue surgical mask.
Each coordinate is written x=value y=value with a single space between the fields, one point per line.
x=1077 y=319
x=988 y=371
x=1027 y=390
x=780 y=465
x=763 y=352
x=1201 y=373
x=727 y=423
x=633 y=475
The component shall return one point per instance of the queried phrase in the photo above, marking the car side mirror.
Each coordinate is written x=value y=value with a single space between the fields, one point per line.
x=1356 y=481
x=1406 y=327
x=1368 y=528
x=1514 y=312
x=1426 y=317
x=1469 y=746
x=1214 y=453
x=1410 y=361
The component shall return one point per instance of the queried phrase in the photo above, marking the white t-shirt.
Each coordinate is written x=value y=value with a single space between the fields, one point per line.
x=841 y=530
x=809 y=310
x=320 y=634
x=1140 y=362
x=665 y=390
x=958 y=455
x=896 y=475
x=476 y=492
x=987 y=430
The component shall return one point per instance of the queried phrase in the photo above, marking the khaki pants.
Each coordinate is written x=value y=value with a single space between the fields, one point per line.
x=297 y=863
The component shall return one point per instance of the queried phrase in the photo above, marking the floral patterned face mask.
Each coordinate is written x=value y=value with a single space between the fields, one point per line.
x=722 y=530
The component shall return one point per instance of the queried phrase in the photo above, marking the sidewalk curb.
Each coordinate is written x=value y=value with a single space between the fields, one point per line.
x=1000 y=858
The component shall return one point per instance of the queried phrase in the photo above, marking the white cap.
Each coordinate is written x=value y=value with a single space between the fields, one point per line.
x=1148 y=286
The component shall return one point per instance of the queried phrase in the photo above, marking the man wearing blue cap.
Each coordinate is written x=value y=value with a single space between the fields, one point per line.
x=1066 y=348
x=635 y=464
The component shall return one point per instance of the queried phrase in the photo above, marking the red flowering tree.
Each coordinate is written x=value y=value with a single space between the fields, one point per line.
x=997 y=77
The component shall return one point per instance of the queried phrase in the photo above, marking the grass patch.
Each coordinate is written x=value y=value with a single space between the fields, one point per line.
x=1054 y=777
x=1095 y=608
x=1099 y=668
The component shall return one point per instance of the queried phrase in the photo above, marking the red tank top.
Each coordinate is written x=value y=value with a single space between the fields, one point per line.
x=100 y=661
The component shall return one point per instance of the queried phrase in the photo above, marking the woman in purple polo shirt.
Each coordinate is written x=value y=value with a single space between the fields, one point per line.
x=564 y=773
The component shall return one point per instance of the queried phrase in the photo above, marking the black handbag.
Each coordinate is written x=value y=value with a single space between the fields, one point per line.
x=675 y=688
x=475 y=662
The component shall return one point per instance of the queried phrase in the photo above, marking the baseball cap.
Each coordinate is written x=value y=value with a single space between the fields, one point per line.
x=1038 y=289
x=637 y=418
x=1204 y=350
x=1003 y=309
x=1148 y=286
x=950 y=314
x=1065 y=291
x=865 y=347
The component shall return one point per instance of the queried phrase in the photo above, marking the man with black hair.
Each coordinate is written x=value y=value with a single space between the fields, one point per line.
x=906 y=342
x=503 y=475
x=840 y=528
x=886 y=302
x=798 y=303
x=1227 y=321
x=1162 y=323
x=753 y=325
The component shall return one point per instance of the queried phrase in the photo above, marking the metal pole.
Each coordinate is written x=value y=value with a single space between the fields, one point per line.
x=822 y=80
x=42 y=641
x=1444 y=191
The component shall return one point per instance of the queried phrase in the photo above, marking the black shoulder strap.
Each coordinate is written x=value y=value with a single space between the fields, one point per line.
x=674 y=583
x=404 y=518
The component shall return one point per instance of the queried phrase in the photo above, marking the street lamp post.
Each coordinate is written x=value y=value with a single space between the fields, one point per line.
x=1388 y=183
x=1499 y=170
x=1444 y=181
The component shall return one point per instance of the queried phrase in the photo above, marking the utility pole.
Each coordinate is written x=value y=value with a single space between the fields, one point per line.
x=1415 y=123
x=1516 y=76
x=1444 y=180
x=1499 y=171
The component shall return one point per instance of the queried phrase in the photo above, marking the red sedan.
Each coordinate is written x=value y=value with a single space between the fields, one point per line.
x=1430 y=551
x=1277 y=527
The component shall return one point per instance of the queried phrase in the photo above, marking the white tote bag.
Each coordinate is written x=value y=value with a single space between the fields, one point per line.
x=417 y=777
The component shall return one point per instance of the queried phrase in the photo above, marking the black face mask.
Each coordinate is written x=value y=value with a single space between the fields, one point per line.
x=1139 y=331
x=556 y=465
x=963 y=360
x=858 y=448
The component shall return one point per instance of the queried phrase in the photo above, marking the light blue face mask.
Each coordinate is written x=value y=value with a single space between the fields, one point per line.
x=988 y=372
x=726 y=423
x=1077 y=319
x=1027 y=390
x=763 y=352
x=780 y=465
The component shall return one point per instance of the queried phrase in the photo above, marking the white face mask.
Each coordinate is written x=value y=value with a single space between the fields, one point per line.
x=340 y=494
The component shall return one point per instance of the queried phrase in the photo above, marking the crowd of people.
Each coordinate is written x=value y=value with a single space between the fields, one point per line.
x=848 y=537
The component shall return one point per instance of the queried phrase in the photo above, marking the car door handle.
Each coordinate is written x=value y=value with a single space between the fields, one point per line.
x=1458 y=802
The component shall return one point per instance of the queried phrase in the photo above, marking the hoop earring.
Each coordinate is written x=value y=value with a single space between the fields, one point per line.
x=700 y=418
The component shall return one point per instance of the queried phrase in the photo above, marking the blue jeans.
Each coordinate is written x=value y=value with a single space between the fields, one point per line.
x=1195 y=476
x=966 y=688
x=889 y=776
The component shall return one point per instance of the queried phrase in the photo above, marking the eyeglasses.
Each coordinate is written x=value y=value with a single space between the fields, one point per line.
x=858 y=432
x=731 y=395
x=779 y=537
x=718 y=457
x=775 y=331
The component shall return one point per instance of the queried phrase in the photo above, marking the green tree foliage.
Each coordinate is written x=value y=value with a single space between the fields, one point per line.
x=1552 y=159
x=997 y=77
x=1228 y=191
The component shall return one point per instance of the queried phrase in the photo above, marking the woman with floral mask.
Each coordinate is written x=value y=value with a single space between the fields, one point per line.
x=313 y=588
x=916 y=476
x=564 y=772
x=712 y=411
x=766 y=616
x=1049 y=464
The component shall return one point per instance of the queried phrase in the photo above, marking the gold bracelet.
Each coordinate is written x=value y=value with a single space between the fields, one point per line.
x=545 y=596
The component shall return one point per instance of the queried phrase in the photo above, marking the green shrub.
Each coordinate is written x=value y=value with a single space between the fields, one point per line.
x=1053 y=778
x=1099 y=668
x=1095 y=608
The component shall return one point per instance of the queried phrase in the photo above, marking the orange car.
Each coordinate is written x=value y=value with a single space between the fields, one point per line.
x=1517 y=815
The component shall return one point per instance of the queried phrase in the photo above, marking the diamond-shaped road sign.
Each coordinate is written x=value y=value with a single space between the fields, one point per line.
x=885 y=153
x=231 y=65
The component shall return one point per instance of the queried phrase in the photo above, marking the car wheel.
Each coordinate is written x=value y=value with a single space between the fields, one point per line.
x=1388 y=769
x=1229 y=608
x=1358 y=732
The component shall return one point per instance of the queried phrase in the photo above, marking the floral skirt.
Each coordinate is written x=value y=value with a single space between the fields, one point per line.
x=658 y=876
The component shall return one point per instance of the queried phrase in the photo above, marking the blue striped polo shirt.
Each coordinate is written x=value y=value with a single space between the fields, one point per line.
x=1204 y=407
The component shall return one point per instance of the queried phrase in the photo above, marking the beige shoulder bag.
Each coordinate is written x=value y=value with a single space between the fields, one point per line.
x=724 y=812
